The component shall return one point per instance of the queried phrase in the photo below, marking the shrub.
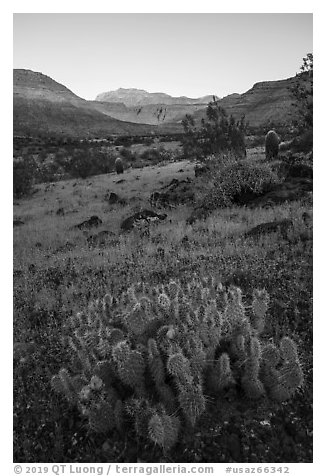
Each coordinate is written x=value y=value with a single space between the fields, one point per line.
x=127 y=154
x=24 y=171
x=126 y=141
x=234 y=180
x=302 y=92
x=219 y=133
x=156 y=155
x=155 y=350
x=85 y=163
x=80 y=164
x=304 y=142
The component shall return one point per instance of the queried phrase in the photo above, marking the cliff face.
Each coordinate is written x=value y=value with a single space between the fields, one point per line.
x=264 y=102
x=154 y=114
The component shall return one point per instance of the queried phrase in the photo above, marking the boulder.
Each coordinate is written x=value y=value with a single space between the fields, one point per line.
x=93 y=221
x=147 y=216
x=281 y=226
x=113 y=198
x=18 y=222
x=174 y=193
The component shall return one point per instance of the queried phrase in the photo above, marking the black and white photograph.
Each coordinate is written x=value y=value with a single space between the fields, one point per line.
x=162 y=239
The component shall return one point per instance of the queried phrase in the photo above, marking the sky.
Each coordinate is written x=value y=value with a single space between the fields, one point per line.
x=179 y=54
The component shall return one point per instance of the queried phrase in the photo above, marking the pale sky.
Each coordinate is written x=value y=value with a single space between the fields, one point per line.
x=179 y=54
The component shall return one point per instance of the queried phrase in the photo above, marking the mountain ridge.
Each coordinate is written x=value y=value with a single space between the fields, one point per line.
x=141 y=97
x=42 y=105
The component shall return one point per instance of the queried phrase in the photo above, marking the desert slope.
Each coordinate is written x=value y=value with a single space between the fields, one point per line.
x=43 y=106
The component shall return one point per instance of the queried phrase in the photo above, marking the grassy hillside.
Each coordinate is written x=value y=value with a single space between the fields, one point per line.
x=38 y=116
x=57 y=272
x=43 y=106
x=268 y=101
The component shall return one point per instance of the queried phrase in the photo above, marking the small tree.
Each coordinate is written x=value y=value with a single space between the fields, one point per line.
x=218 y=133
x=80 y=164
x=302 y=91
x=24 y=171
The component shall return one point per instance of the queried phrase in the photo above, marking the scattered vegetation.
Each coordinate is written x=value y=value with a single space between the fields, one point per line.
x=173 y=342
x=52 y=159
x=303 y=94
x=218 y=133
x=234 y=180
x=23 y=176
x=56 y=275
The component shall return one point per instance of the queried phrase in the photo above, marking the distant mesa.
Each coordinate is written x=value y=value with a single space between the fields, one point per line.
x=139 y=97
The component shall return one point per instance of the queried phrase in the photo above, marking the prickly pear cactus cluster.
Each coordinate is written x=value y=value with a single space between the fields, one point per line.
x=153 y=356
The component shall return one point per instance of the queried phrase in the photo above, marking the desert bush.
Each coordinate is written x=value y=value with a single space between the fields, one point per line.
x=255 y=141
x=84 y=163
x=126 y=141
x=127 y=154
x=233 y=180
x=80 y=164
x=304 y=142
x=302 y=92
x=218 y=133
x=156 y=155
x=141 y=357
x=148 y=140
x=24 y=171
